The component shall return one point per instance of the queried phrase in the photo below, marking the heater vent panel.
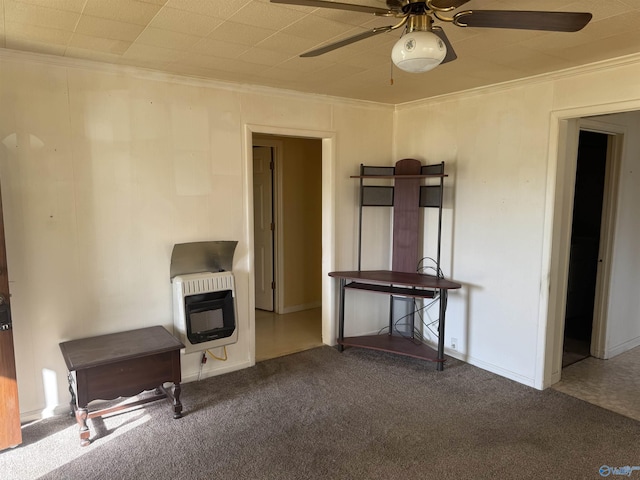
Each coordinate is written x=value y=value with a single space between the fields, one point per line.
x=213 y=282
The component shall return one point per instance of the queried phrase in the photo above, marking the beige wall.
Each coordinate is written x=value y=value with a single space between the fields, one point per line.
x=302 y=222
x=104 y=169
x=501 y=149
x=495 y=148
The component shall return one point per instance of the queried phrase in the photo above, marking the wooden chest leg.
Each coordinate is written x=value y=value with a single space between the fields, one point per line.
x=177 y=406
x=72 y=402
x=81 y=417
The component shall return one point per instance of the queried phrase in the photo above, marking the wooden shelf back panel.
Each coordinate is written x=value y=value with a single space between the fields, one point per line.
x=406 y=216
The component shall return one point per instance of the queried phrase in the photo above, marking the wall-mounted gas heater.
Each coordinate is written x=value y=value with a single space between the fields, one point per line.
x=204 y=310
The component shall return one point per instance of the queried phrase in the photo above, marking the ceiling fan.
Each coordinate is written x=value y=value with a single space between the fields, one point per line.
x=424 y=45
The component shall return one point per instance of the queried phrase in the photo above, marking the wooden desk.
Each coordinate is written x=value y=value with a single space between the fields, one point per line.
x=402 y=284
x=122 y=365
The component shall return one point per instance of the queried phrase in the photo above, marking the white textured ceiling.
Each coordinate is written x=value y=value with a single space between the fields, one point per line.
x=256 y=42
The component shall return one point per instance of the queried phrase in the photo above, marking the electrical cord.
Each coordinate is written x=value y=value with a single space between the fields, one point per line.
x=203 y=359
x=419 y=311
x=423 y=269
x=222 y=359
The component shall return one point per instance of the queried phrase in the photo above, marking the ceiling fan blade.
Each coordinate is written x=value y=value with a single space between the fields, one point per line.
x=346 y=41
x=525 y=20
x=451 y=54
x=336 y=5
x=448 y=4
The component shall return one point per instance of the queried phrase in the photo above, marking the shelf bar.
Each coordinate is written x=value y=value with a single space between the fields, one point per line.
x=360 y=220
x=440 y=222
x=394 y=344
x=390 y=290
x=437 y=175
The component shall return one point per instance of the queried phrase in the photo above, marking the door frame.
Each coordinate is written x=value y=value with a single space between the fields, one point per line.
x=565 y=127
x=10 y=430
x=278 y=216
x=328 y=224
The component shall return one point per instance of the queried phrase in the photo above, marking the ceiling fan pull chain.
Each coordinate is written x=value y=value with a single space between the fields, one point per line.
x=391 y=74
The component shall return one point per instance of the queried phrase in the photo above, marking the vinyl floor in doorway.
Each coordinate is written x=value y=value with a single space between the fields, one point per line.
x=279 y=335
x=613 y=384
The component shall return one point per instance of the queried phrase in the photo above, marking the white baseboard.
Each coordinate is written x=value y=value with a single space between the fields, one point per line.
x=530 y=382
x=37 y=415
x=490 y=367
x=64 y=409
x=623 y=347
x=193 y=376
x=300 y=308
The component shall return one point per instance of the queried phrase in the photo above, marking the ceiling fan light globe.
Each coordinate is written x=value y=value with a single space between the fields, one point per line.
x=418 y=52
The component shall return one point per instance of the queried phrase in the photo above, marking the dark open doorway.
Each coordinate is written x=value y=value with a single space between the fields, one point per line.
x=585 y=245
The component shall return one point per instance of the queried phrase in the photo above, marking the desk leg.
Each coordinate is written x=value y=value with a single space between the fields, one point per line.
x=81 y=416
x=443 y=309
x=343 y=282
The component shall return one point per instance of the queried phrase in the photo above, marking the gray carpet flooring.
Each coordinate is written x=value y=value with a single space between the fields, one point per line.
x=322 y=414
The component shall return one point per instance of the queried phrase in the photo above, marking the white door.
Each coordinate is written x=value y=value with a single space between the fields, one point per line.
x=263 y=227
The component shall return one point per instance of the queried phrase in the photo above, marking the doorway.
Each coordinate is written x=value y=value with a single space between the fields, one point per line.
x=287 y=244
x=608 y=377
x=584 y=255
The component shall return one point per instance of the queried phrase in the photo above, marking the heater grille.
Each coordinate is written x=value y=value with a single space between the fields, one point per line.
x=221 y=281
